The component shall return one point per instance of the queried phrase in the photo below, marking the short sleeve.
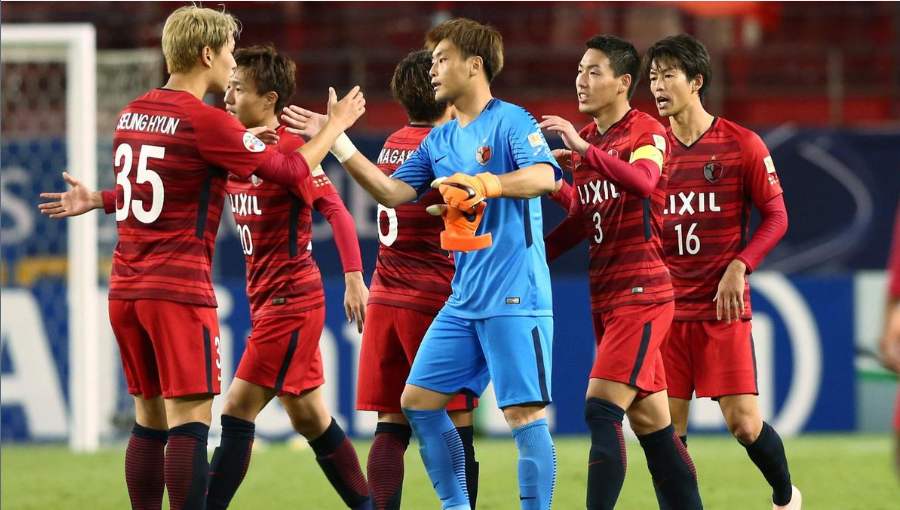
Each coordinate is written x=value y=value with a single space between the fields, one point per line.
x=417 y=170
x=527 y=144
x=225 y=143
x=761 y=182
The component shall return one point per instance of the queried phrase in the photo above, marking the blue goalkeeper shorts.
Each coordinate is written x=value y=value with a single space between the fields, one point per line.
x=514 y=352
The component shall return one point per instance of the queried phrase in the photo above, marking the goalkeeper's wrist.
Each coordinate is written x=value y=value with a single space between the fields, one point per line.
x=343 y=149
x=491 y=183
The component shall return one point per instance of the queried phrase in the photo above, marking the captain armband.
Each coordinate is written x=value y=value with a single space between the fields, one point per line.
x=648 y=152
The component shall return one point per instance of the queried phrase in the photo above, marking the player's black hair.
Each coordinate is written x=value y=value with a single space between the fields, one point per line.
x=683 y=52
x=622 y=57
x=269 y=70
x=411 y=86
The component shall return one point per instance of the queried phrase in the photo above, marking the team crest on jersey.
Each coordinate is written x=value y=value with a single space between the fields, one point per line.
x=483 y=154
x=252 y=143
x=613 y=152
x=713 y=171
x=255 y=180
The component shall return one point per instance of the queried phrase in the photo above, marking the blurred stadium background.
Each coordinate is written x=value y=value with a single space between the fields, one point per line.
x=821 y=84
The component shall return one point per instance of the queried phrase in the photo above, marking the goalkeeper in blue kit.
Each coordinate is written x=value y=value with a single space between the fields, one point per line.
x=498 y=323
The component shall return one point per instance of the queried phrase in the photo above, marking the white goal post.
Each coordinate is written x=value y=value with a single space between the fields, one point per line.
x=75 y=46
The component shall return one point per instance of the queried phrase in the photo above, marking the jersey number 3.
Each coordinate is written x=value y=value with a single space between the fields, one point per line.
x=124 y=160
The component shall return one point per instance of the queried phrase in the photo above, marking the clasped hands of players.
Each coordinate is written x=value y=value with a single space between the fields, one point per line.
x=307 y=123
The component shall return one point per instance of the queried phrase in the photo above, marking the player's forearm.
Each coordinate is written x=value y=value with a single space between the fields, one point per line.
x=639 y=178
x=891 y=307
x=317 y=148
x=770 y=230
x=562 y=196
x=386 y=191
x=105 y=200
x=344 y=229
x=528 y=182
x=285 y=170
x=563 y=238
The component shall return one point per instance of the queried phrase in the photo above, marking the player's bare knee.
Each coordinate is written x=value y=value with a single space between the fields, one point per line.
x=414 y=397
x=150 y=413
x=744 y=429
x=517 y=416
x=643 y=422
x=238 y=409
x=462 y=418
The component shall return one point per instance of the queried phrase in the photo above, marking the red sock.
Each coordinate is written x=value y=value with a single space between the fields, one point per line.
x=337 y=458
x=187 y=470
x=144 y=467
x=385 y=465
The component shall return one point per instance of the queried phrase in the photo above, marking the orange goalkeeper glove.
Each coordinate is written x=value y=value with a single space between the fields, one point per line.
x=460 y=227
x=464 y=191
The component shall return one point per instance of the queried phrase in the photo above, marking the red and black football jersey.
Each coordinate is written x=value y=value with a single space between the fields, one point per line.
x=172 y=155
x=712 y=184
x=412 y=271
x=274 y=225
x=627 y=263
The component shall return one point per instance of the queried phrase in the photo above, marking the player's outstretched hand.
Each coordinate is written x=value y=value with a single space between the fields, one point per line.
x=890 y=340
x=730 y=295
x=355 y=298
x=566 y=131
x=563 y=158
x=303 y=122
x=267 y=135
x=78 y=200
x=345 y=112
x=464 y=191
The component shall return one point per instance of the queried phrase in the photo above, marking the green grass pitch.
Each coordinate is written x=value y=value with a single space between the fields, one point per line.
x=840 y=472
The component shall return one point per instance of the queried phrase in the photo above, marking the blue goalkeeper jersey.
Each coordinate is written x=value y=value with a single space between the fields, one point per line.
x=511 y=276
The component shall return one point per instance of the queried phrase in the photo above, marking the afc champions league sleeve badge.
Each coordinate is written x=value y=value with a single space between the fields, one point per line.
x=483 y=154
x=252 y=143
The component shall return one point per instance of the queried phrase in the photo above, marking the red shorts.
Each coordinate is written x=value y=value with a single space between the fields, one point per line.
x=283 y=352
x=897 y=412
x=711 y=358
x=167 y=348
x=391 y=338
x=629 y=339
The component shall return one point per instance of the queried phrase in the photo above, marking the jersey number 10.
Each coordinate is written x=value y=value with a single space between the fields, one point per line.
x=124 y=159
x=391 y=236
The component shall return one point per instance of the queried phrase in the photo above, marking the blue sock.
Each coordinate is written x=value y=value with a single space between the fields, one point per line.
x=537 y=465
x=443 y=455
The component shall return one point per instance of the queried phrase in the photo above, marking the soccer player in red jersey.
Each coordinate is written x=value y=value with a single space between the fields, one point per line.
x=890 y=337
x=617 y=203
x=410 y=285
x=717 y=171
x=172 y=157
x=287 y=301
